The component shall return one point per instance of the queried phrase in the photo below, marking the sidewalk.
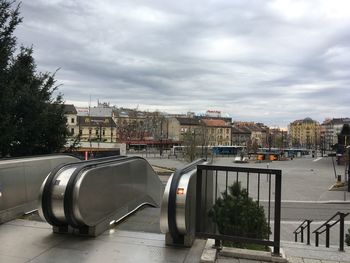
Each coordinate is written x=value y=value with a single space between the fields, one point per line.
x=30 y=241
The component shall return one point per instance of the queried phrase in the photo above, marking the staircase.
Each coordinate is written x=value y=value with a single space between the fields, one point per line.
x=316 y=250
x=298 y=252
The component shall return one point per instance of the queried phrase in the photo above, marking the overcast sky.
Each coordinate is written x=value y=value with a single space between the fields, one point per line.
x=268 y=61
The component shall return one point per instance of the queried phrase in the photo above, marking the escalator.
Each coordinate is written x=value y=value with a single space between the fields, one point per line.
x=178 y=208
x=86 y=197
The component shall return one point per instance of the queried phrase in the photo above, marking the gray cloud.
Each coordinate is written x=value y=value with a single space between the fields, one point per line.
x=270 y=61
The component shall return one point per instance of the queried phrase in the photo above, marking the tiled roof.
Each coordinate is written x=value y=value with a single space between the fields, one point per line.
x=335 y=121
x=215 y=123
x=241 y=130
x=69 y=109
x=188 y=121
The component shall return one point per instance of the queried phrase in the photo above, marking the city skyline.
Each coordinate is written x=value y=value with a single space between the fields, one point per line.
x=267 y=61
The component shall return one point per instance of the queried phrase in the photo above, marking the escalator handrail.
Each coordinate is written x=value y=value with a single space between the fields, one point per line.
x=68 y=197
x=174 y=232
x=47 y=188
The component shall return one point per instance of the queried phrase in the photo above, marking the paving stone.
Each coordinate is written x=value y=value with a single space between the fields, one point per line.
x=309 y=260
x=295 y=260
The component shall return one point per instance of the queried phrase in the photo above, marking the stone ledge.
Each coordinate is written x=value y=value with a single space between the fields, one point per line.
x=253 y=255
x=209 y=254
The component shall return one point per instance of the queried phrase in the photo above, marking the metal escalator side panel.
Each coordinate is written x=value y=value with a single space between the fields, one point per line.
x=164 y=227
x=174 y=232
x=114 y=189
x=58 y=192
x=44 y=197
x=185 y=203
x=184 y=214
x=51 y=207
x=68 y=196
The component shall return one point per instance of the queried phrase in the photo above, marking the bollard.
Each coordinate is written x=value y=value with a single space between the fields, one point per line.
x=338 y=178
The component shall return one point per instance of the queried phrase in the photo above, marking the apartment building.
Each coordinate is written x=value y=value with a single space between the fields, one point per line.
x=305 y=133
x=71 y=115
x=218 y=132
x=98 y=129
x=330 y=129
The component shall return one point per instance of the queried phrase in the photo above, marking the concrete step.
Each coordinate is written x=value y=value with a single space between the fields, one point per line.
x=294 y=250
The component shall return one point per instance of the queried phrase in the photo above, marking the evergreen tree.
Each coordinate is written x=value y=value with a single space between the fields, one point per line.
x=31 y=120
x=236 y=214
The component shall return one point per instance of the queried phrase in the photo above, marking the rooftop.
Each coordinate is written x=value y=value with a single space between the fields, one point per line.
x=69 y=109
x=215 y=123
x=188 y=121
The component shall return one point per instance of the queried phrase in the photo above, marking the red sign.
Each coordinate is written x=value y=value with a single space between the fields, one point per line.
x=180 y=191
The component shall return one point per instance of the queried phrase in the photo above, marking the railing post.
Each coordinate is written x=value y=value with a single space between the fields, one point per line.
x=277 y=225
x=341 y=231
x=308 y=232
x=316 y=239
x=327 y=235
x=199 y=199
x=302 y=234
x=217 y=244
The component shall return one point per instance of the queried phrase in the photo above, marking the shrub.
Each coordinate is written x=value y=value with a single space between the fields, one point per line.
x=347 y=237
x=237 y=214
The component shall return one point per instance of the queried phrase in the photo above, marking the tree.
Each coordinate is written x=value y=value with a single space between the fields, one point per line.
x=191 y=141
x=195 y=141
x=31 y=120
x=236 y=214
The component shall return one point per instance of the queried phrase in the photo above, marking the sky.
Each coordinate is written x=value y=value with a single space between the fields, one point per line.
x=254 y=60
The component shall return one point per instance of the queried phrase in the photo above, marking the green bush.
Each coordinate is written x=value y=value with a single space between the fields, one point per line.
x=237 y=214
x=347 y=237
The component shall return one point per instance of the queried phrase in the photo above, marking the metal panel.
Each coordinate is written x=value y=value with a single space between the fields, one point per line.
x=164 y=227
x=102 y=191
x=20 y=181
x=185 y=205
x=58 y=189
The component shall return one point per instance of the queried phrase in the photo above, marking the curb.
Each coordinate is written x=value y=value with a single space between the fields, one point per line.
x=209 y=254
x=253 y=255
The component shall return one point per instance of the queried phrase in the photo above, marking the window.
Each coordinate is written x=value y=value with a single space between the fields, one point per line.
x=90 y=131
x=103 y=132
x=72 y=131
x=72 y=120
x=96 y=132
x=80 y=132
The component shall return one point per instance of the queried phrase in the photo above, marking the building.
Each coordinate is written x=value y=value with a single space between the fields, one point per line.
x=218 y=132
x=329 y=130
x=259 y=135
x=244 y=133
x=178 y=127
x=72 y=122
x=97 y=129
x=304 y=133
x=240 y=135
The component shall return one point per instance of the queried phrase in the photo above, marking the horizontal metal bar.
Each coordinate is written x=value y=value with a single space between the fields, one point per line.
x=325 y=223
x=239 y=169
x=300 y=226
x=263 y=242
